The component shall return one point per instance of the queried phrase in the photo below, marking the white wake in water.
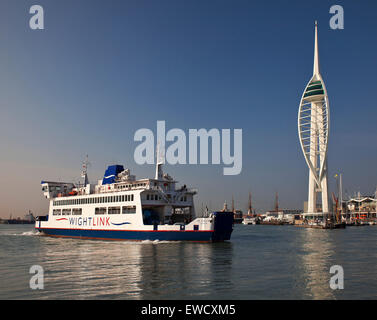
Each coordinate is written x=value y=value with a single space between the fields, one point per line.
x=157 y=241
x=28 y=233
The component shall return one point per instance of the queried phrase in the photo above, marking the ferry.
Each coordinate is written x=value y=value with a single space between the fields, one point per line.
x=120 y=207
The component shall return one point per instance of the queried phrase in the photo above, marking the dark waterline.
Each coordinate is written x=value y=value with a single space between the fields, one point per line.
x=260 y=262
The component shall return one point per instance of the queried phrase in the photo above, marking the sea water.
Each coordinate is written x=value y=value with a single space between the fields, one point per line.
x=260 y=262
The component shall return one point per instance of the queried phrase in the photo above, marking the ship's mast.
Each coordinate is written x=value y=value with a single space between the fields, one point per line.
x=341 y=193
x=276 y=202
x=84 y=173
x=159 y=162
x=250 y=209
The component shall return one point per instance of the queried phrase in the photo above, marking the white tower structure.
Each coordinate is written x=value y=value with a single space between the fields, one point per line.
x=313 y=130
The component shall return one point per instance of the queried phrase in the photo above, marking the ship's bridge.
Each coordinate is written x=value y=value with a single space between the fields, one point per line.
x=53 y=189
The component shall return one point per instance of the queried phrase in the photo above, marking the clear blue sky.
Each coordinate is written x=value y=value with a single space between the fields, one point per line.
x=103 y=69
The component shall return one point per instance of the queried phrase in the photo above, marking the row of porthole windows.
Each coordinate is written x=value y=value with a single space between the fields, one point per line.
x=102 y=210
x=107 y=199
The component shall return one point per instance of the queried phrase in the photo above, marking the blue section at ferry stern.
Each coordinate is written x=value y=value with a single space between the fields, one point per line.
x=223 y=226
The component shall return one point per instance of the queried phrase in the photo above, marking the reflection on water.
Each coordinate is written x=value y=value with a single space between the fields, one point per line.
x=260 y=262
x=133 y=270
x=94 y=270
x=318 y=249
x=181 y=270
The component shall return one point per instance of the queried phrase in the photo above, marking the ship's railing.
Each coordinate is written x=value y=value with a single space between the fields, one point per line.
x=188 y=190
x=118 y=188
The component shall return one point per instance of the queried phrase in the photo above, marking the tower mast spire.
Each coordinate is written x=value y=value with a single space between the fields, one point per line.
x=316 y=55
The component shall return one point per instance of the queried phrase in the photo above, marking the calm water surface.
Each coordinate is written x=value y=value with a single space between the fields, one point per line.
x=260 y=262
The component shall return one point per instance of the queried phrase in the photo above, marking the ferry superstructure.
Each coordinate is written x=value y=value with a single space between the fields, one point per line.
x=120 y=207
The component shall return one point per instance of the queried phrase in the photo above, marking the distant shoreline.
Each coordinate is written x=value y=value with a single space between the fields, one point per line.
x=15 y=221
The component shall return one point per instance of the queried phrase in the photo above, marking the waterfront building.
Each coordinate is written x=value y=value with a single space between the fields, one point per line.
x=360 y=207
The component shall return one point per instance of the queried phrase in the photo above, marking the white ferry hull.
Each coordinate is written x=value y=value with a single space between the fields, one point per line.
x=217 y=228
x=132 y=235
